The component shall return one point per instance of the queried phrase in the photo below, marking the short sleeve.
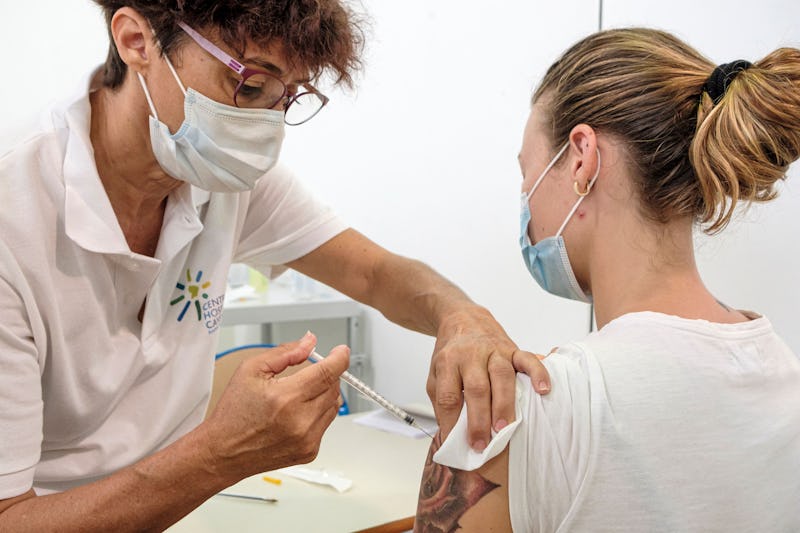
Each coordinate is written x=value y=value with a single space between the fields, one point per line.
x=21 y=405
x=283 y=222
x=549 y=452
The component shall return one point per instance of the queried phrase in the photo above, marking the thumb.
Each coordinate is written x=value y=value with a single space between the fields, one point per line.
x=276 y=360
x=321 y=376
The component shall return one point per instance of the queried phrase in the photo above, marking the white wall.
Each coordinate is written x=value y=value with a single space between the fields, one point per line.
x=754 y=264
x=47 y=47
x=423 y=157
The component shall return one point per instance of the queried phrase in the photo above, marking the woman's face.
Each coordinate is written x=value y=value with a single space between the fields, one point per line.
x=209 y=76
x=554 y=197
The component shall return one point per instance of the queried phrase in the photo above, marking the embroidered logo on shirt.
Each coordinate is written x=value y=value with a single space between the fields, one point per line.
x=194 y=295
x=193 y=291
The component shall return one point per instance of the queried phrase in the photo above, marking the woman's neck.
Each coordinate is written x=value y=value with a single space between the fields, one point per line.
x=652 y=269
x=136 y=185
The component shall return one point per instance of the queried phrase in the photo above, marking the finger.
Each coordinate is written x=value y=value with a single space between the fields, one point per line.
x=530 y=364
x=478 y=397
x=503 y=380
x=324 y=375
x=276 y=360
x=446 y=397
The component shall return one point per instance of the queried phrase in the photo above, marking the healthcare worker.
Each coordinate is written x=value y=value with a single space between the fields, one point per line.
x=121 y=218
x=680 y=413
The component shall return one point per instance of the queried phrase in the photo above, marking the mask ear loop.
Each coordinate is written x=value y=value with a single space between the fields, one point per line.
x=144 y=85
x=582 y=195
x=169 y=63
x=147 y=95
x=175 y=74
x=547 y=169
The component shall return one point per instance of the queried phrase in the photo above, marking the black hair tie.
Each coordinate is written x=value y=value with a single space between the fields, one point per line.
x=723 y=75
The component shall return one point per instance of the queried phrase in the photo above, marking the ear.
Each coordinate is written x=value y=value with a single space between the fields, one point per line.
x=134 y=38
x=584 y=162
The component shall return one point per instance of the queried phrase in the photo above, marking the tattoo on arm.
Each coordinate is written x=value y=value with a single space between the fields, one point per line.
x=446 y=494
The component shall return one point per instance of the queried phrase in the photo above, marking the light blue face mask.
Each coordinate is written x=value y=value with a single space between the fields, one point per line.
x=218 y=148
x=547 y=260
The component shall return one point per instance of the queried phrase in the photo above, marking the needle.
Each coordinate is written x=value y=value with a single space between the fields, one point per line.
x=246 y=497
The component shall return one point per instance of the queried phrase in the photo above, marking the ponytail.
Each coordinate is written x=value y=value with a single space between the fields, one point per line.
x=746 y=141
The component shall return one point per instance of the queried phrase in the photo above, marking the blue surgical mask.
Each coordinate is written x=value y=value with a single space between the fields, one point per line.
x=218 y=148
x=547 y=260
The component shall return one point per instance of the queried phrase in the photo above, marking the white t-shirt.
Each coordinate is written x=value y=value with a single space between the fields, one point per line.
x=85 y=387
x=658 y=423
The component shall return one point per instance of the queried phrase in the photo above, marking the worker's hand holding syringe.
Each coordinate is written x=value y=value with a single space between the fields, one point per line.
x=264 y=422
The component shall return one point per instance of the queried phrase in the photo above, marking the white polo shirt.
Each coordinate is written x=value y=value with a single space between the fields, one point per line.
x=85 y=387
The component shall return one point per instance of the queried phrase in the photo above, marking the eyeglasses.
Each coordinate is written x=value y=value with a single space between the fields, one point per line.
x=262 y=90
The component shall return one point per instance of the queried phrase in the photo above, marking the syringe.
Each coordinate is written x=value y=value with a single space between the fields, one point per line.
x=367 y=392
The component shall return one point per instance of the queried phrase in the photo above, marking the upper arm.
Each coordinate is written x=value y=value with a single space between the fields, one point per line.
x=537 y=475
x=453 y=499
x=22 y=339
x=21 y=404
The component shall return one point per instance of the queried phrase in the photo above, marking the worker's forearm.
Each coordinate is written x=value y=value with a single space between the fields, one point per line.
x=412 y=294
x=406 y=291
x=147 y=496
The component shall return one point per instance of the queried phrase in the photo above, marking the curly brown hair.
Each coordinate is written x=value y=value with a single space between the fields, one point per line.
x=322 y=36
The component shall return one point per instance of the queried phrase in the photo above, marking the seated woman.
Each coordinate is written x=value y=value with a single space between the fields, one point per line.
x=680 y=413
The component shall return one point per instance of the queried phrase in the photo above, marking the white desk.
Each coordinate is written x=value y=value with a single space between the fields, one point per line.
x=385 y=468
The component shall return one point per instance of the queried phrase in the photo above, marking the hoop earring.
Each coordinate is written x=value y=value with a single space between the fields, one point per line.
x=578 y=191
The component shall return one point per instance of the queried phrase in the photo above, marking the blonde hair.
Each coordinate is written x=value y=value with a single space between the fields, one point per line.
x=692 y=157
